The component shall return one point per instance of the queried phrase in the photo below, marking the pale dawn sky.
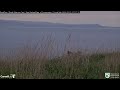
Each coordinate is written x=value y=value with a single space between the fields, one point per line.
x=105 y=18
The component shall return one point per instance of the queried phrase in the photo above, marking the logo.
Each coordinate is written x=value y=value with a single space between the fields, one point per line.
x=12 y=75
x=107 y=75
x=112 y=75
x=7 y=76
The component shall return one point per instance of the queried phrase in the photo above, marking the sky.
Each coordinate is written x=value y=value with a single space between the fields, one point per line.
x=104 y=18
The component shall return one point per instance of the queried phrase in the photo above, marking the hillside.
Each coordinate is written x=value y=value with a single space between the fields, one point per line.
x=4 y=23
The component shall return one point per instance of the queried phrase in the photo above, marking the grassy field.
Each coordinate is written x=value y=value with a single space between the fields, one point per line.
x=34 y=63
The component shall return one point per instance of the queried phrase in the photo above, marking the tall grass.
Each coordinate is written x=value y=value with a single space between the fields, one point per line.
x=43 y=61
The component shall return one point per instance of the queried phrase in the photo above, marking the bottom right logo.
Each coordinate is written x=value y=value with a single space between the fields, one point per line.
x=111 y=75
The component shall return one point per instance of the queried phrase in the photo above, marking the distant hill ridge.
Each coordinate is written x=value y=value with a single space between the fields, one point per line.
x=45 y=24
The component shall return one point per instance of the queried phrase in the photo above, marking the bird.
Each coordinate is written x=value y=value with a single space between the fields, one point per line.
x=69 y=52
